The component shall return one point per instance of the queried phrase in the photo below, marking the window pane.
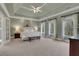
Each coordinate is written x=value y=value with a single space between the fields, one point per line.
x=0 y=35
x=7 y=29
x=0 y=22
x=78 y=28
x=52 y=28
x=43 y=28
x=69 y=28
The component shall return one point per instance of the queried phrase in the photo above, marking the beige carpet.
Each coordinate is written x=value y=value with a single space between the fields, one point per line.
x=42 y=47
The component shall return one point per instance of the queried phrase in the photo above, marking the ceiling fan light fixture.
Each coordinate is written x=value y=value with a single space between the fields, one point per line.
x=35 y=9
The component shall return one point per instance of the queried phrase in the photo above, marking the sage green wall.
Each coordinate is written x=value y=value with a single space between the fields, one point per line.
x=15 y=22
x=59 y=27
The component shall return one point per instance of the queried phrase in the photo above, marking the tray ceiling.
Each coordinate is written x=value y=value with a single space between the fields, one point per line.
x=16 y=9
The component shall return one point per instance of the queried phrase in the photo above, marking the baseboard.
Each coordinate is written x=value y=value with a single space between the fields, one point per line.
x=61 y=39
x=4 y=42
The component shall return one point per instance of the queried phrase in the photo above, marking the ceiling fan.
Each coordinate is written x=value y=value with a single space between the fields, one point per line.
x=35 y=9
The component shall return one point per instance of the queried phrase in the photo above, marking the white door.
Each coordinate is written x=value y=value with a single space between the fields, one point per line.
x=4 y=28
x=7 y=29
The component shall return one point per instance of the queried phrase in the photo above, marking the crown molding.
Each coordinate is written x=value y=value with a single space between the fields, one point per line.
x=17 y=17
x=5 y=9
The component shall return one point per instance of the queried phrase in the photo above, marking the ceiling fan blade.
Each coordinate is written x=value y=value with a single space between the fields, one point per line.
x=27 y=8
x=40 y=10
x=43 y=5
x=34 y=11
x=33 y=7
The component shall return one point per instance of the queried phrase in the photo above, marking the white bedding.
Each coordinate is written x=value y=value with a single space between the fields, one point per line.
x=29 y=33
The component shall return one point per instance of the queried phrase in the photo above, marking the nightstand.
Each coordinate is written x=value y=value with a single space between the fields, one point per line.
x=17 y=35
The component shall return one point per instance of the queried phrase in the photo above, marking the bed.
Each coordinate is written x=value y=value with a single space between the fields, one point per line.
x=30 y=34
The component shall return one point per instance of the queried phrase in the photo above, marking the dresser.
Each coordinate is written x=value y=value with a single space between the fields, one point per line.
x=74 y=46
x=17 y=35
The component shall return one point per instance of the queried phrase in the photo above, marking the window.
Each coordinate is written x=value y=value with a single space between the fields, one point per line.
x=0 y=29
x=43 y=28
x=0 y=22
x=69 y=26
x=52 y=28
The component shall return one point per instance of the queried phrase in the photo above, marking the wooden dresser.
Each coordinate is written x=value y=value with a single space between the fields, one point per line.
x=17 y=35
x=74 y=46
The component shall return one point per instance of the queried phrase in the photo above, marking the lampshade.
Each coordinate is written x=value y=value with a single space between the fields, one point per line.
x=36 y=28
x=17 y=29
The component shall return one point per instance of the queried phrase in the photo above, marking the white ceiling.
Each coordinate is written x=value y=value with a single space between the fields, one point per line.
x=15 y=9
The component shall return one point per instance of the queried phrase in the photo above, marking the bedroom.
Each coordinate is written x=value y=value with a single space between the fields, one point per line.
x=55 y=23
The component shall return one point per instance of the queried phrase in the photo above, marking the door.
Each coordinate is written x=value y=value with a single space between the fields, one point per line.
x=7 y=29
x=4 y=29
